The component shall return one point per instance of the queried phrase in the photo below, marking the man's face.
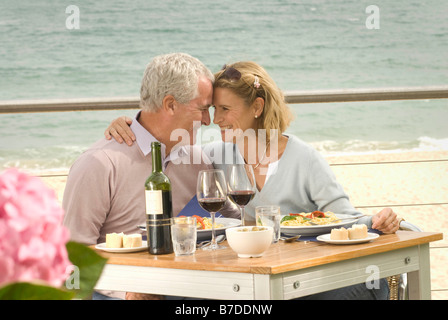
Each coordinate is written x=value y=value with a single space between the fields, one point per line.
x=196 y=113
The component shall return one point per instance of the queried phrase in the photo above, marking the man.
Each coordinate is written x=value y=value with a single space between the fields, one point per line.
x=105 y=187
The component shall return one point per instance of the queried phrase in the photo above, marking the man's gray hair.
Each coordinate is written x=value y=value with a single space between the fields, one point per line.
x=175 y=74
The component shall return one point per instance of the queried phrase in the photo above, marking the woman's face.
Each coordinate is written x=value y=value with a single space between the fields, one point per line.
x=232 y=113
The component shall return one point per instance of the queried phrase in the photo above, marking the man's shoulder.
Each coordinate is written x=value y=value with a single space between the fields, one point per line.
x=106 y=151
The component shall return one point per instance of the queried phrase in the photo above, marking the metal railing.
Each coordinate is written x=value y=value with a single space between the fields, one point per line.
x=292 y=97
x=375 y=94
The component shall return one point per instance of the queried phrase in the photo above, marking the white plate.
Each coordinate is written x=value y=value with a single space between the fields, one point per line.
x=226 y=222
x=207 y=233
x=326 y=238
x=102 y=246
x=317 y=230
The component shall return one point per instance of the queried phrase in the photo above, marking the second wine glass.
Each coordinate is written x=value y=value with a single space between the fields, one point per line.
x=241 y=186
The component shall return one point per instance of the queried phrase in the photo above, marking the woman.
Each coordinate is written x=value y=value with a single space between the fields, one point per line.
x=252 y=114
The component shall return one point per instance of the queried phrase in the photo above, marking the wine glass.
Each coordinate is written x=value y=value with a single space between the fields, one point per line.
x=212 y=194
x=241 y=186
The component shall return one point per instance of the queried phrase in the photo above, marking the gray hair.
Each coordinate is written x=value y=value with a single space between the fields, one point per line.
x=175 y=74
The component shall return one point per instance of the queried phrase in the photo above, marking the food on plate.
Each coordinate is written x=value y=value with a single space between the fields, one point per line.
x=114 y=240
x=308 y=219
x=357 y=231
x=248 y=229
x=205 y=223
x=121 y=240
x=339 y=234
x=132 y=240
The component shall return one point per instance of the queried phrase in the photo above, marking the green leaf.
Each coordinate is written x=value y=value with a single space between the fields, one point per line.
x=31 y=291
x=286 y=218
x=89 y=266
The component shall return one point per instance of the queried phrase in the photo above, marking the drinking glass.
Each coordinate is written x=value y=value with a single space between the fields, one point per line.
x=184 y=235
x=241 y=186
x=269 y=216
x=212 y=194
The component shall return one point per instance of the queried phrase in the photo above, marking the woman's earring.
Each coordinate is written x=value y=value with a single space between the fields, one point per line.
x=256 y=116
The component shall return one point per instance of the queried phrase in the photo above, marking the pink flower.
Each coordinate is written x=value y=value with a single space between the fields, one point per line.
x=32 y=237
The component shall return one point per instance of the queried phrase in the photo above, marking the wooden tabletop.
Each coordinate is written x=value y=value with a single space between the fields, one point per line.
x=280 y=257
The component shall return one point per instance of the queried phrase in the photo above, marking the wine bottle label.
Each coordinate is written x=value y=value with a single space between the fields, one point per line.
x=154 y=203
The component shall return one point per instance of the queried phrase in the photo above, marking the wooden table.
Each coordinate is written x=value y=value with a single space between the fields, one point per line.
x=286 y=271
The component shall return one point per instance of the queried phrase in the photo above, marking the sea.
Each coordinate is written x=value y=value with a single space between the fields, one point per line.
x=58 y=49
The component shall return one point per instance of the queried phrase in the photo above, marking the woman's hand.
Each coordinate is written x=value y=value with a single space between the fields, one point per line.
x=386 y=221
x=119 y=130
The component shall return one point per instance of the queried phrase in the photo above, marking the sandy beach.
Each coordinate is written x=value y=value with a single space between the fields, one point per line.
x=414 y=184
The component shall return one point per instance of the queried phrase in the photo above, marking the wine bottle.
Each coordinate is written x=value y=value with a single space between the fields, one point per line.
x=159 y=208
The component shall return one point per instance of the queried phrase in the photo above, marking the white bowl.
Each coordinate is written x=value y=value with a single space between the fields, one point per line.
x=249 y=244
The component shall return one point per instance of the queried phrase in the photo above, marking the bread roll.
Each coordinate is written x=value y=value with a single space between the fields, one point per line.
x=339 y=234
x=357 y=231
x=114 y=240
x=132 y=240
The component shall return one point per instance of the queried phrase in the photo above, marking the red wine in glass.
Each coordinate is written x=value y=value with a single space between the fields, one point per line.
x=241 y=198
x=212 y=204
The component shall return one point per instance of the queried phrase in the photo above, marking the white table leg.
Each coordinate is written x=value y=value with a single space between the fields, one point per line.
x=268 y=287
x=419 y=282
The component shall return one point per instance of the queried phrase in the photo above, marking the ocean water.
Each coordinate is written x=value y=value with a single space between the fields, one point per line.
x=304 y=45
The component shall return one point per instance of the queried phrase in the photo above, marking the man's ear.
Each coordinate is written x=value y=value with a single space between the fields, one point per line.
x=169 y=104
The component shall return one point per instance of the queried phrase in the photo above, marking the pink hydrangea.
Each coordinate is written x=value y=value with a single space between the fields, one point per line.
x=32 y=237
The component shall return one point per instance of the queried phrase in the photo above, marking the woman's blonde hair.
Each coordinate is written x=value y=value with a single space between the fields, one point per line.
x=276 y=113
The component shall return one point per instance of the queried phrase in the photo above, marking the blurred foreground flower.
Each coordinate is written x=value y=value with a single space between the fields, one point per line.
x=34 y=260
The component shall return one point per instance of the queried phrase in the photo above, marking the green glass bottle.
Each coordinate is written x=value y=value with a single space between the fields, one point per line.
x=159 y=207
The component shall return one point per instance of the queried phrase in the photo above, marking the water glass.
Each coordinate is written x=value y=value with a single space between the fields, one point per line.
x=269 y=216
x=184 y=235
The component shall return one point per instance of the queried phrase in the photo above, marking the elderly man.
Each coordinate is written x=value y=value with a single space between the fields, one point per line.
x=105 y=186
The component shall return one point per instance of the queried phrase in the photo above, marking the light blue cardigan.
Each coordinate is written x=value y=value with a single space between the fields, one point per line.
x=303 y=182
